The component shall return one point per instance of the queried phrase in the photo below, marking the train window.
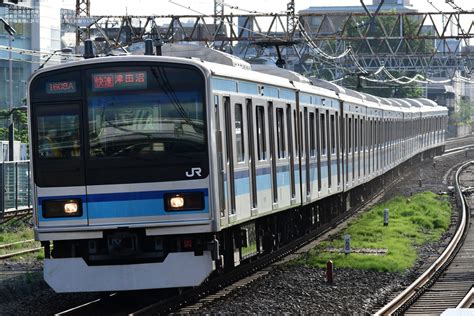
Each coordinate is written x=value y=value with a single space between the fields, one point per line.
x=333 y=135
x=312 y=143
x=323 y=134
x=356 y=134
x=58 y=135
x=239 y=133
x=349 y=136
x=165 y=120
x=261 y=143
x=295 y=124
x=318 y=136
x=280 y=133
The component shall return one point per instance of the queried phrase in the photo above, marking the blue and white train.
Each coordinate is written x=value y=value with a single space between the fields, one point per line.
x=154 y=171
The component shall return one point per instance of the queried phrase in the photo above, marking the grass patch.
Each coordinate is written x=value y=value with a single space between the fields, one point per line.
x=413 y=221
x=14 y=231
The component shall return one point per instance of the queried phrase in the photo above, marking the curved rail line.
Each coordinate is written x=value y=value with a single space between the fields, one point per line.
x=414 y=291
x=468 y=300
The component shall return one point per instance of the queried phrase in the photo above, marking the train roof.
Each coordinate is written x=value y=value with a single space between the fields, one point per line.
x=225 y=65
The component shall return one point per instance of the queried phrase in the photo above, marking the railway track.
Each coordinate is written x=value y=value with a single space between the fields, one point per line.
x=445 y=283
x=19 y=252
x=15 y=214
x=459 y=141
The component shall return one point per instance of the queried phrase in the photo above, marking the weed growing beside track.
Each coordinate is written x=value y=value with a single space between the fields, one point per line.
x=413 y=221
x=17 y=231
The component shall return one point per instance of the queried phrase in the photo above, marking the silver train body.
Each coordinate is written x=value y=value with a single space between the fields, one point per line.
x=121 y=216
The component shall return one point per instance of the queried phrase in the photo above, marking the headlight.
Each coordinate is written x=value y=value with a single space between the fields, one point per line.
x=62 y=208
x=188 y=201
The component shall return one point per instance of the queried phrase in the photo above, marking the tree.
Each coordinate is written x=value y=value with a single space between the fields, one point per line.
x=20 y=120
x=463 y=116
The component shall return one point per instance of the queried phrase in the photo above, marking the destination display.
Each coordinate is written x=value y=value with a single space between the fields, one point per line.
x=134 y=80
x=61 y=87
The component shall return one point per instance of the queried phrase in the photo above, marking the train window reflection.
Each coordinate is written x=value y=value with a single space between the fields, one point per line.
x=261 y=145
x=239 y=133
x=148 y=123
x=58 y=136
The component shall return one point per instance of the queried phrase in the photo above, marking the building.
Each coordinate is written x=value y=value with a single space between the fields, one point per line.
x=38 y=34
x=338 y=14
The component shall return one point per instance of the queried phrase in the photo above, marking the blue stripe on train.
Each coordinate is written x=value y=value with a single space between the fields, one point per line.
x=126 y=204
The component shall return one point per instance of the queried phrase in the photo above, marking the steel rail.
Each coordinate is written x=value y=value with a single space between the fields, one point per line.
x=432 y=272
x=16 y=243
x=21 y=252
x=468 y=300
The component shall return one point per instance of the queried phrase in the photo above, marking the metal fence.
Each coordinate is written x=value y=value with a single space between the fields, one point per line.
x=16 y=184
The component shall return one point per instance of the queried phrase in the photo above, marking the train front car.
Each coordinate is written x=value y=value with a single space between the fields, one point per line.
x=121 y=174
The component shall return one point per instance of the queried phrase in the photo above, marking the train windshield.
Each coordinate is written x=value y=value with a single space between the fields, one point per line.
x=116 y=123
x=145 y=123
x=146 y=113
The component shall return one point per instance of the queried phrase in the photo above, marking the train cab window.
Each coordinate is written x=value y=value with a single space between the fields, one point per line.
x=323 y=134
x=312 y=143
x=58 y=135
x=261 y=143
x=280 y=129
x=239 y=133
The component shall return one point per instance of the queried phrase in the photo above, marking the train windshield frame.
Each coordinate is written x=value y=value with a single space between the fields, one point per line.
x=140 y=123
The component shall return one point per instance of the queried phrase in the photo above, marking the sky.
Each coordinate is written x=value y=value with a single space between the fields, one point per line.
x=166 y=7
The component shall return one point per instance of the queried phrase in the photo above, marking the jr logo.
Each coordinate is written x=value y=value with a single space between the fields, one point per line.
x=194 y=172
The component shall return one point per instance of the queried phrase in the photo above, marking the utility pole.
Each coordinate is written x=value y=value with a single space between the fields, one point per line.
x=291 y=19
x=83 y=8
x=218 y=11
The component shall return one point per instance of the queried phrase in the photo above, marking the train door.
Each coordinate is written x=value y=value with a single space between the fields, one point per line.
x=324 y=154
x=229 y=161
x=263 y=166
x=252 y=157
x=305 y=153
x=273 y=157
x=281 y=178
x=242 y=170
x=58 y=158
x=220 y=160
x=318 y=150
x=298 y=152
x=332 y=154
x=290 y=128
x=312 y=152
x=338 y=148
